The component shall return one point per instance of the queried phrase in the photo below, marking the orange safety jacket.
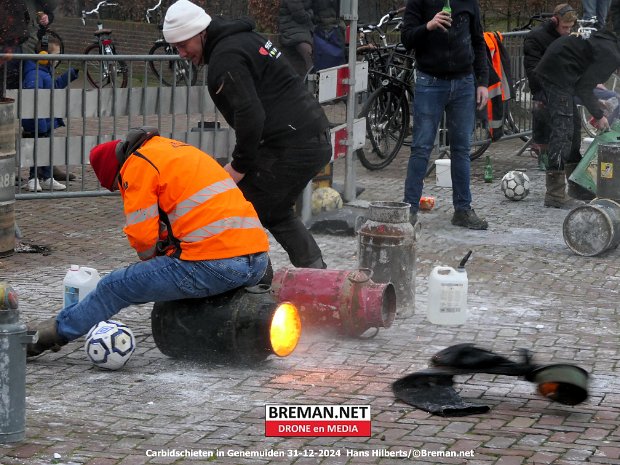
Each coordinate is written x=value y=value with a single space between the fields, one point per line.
x=499 y=82
x=167 y=182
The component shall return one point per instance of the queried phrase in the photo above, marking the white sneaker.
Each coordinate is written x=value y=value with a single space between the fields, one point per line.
x=55 y=185
x=33 y=185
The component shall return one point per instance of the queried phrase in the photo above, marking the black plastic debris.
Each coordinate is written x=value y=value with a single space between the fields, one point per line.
x=432 y=389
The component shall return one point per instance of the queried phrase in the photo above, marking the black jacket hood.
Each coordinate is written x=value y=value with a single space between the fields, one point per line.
x=221 y=27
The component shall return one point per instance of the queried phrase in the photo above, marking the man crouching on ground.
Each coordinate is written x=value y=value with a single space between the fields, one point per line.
x=192 y=228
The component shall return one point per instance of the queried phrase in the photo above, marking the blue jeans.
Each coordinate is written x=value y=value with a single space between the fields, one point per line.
x=598 y=8
x=43 y=172
x=433 y=96
x=157 y=280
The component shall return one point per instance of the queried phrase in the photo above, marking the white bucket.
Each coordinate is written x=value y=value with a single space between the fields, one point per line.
x=78 y=282
x=447 y=296
x=442 y=170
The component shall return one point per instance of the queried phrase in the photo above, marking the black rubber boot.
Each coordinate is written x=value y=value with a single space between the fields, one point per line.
x=48 y=338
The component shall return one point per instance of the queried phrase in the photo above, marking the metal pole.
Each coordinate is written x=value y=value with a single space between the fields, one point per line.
x=350 y=159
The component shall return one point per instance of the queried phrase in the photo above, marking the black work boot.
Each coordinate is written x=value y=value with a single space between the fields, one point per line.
x=575 y=190
x=469 y=219
x=48 y=338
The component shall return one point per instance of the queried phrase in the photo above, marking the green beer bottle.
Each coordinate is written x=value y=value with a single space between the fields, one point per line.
x=446 y=7
x=488 y=170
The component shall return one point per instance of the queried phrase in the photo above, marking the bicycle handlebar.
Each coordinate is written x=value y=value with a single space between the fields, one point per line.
x=586 y=27
x=584 y=22
x=150 y=10
x=96 y=10
x=389 y=16
x=536 y=17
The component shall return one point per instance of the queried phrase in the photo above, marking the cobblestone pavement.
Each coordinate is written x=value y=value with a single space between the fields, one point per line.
x=526 y=290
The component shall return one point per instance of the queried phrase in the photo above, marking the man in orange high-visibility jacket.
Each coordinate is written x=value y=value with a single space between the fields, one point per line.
x=195 y=233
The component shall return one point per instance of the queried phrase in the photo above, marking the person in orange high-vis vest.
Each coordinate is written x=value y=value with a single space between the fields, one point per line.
x=500 y=82
x=195 y=233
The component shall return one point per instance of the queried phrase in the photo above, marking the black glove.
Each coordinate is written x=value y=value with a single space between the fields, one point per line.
x=73 y=73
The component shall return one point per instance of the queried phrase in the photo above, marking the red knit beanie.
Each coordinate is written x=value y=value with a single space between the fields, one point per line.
x=104 y=163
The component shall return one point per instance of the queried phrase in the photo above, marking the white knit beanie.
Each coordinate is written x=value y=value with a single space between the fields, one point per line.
x=183 y=21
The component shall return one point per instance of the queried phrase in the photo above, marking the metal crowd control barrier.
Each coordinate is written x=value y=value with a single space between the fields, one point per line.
x=94 y=115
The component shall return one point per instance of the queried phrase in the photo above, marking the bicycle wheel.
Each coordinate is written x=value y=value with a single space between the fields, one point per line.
x=387 y=121
x=172 y=72
x=480 y=142
x=585 y=116
x=102 y=74
x=518 y=111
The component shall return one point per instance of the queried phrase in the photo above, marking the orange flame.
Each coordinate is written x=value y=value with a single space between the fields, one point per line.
x=285 y=329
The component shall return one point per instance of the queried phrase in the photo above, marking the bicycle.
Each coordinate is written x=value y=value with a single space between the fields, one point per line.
x=103 y=73
x=376 y=52
x=174 y=71
x=391 y=76
x=387 y=110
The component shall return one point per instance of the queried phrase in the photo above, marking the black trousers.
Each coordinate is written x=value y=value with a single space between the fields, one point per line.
x=274 y=187
x=565 y=135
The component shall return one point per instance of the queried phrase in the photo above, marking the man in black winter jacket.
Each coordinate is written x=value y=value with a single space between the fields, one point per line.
x=452 y=76
x=282 y=132
x=573 y=66
x=534 y=46
x=614 y=12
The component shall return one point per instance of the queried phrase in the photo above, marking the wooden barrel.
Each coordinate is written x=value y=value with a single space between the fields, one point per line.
x=7 y=177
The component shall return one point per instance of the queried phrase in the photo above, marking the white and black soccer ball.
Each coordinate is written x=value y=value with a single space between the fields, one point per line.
x=110 y=344
x=515 y=185
x=325 y=199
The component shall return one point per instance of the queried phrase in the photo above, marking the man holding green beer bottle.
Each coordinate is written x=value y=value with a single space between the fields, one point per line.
x=452 y=76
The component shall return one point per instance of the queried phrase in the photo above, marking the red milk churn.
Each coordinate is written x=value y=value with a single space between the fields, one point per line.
x=386 y=245
x=344 y=300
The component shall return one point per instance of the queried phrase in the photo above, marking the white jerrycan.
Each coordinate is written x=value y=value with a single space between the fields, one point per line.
x=78 y=282
x=447 y=295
